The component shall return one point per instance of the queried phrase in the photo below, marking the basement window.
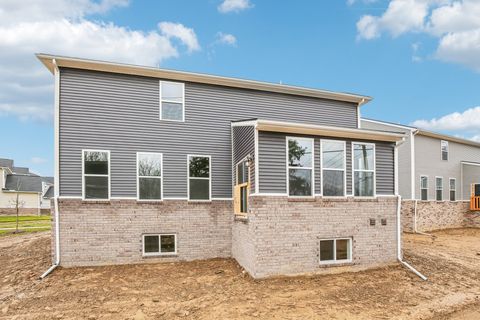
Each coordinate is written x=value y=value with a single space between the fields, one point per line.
x=335 y=250
x=159 y=244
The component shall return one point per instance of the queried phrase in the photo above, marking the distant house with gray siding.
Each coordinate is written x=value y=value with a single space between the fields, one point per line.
x=159 y=165
x=433 y=166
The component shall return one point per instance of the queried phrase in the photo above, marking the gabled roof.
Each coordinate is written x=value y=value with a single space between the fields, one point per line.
x=51 y=61
x=6 y=163
x=24 y=183
x=50 y=192
x=426 y=133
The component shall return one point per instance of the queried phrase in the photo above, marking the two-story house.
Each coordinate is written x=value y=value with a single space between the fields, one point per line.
x=439 y=176
x=160 y=165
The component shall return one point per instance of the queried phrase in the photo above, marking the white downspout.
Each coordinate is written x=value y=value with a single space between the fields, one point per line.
x=415 y=230
x=399 y=226
x=57 y=170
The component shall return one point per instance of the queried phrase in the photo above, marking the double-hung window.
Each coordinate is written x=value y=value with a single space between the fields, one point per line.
x=149 y=176
x=453 y=189
x=444 y=149
x=424 y=188
x=199 y=178
x=335 y=250
x=333 y=168
x=300 y=166
x=439 y=188
x=96 y=174
x=172 y=101
x=364 y=169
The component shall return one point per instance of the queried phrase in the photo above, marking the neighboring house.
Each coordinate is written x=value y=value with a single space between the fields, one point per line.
x=434 y=168
x=34 y=191
x=160 y=165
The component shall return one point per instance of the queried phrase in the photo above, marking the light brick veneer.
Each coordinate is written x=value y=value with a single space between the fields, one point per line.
x=101 y=233
x=281 y=235
x=434 y=215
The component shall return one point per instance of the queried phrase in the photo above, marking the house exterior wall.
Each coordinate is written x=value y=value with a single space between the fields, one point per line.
x=281 y=235
x=428 y=162
x=273 y=162
x=29 y=202
x=404 y=155
x=99 y=233
x=120 y=113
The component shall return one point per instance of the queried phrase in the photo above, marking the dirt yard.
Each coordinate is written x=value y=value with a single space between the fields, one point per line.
x=218 y=289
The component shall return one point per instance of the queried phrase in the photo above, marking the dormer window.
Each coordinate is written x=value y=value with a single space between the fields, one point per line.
x=172 y=101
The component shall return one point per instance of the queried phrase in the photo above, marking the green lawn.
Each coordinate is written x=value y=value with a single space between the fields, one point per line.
x=26 y=224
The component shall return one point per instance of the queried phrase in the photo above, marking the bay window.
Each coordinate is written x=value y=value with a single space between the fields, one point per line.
x=364 y=169
x=300 y=166
x=333 y=168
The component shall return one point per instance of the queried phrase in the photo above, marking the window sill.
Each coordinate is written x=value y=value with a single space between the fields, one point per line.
x=199 y=201
x=336 y=264
x=149 y=201
x=301 y=199
x=160 y=255
x=240 y=217
x=96 y=201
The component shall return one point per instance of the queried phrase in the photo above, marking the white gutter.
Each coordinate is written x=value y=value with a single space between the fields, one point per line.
x=57 y=171
x=399 y=225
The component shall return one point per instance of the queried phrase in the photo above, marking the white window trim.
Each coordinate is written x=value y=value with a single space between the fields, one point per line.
x=450 y=189
x=95 y=175
x=441 y=151
x=312 y=168
x=361 y=170
x=159 y=253
x=428 y=185
x=436 y=189
x=171 y=101
x=209 y=177
x=153 y=177
x=335 y=261
x=334 y=169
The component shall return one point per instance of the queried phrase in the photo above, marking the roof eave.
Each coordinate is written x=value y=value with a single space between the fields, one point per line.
x=295 y=128
x=447 y=138
x=104 y=66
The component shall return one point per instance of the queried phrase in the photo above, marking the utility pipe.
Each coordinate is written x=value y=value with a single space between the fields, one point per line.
x=415 y=221
x=57 y=240
x=399 y=241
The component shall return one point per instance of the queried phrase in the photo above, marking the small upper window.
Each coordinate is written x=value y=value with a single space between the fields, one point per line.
x=199 y=178
x=96 y=182
x=444 y=148
x=172 y=101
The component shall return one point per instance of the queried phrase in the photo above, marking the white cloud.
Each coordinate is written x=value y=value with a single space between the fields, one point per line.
x=38 y=160
x=456 y=24
x=234 y=6
x=177 y=30
x=466 y=121
x=226 y=38
x=63 y=27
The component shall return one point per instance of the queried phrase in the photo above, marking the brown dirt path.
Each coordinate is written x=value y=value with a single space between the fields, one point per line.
x=218 y=289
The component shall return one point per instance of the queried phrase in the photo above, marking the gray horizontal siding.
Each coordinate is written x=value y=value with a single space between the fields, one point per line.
x=120 y=113
x=272 y=164
x=243 y=141
x=385 y=168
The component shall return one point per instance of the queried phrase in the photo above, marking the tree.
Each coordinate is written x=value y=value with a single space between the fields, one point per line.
x=17 y=203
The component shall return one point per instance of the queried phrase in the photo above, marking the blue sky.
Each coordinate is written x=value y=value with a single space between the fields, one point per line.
x=417 y=59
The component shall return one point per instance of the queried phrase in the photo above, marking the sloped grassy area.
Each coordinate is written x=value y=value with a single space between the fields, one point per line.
x=26 y=224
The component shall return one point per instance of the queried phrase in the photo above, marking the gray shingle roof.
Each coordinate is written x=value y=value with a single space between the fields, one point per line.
x=8 y=163
x=21 y=170
x=48 y=179
x=23 y=183
x=50 y=192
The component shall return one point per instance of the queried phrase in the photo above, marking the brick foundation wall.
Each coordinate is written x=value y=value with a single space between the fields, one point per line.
x=472 y=220
x=99 y=233
x=434 y=215
x=282 y=235
x=22 y=211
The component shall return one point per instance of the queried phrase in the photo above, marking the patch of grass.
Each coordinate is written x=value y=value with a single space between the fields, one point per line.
x=26 y=224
